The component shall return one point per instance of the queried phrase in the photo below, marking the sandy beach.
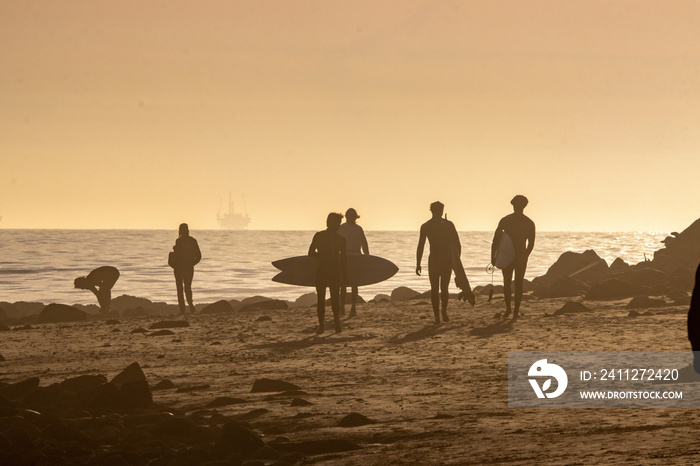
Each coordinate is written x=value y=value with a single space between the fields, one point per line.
x=435 y=394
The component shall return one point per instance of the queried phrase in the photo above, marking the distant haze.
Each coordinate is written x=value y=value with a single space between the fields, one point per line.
x=136 y=114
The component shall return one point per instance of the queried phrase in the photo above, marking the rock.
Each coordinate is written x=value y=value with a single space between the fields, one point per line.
x=134 y=312
x=173 y=426
x=124 y=302
x=305 y=300
x=236 y=438
x=132 y=388
x=18 y=390
x=586 y=267
x=265 y=453
x=301 y=402
x=271 y=385
x=618 y=265
x=4 y=328
x=193 y=388
x=112 y=322
x=355 y=420
x=164 y=384
x=3 y=315
x=2 y=358
x=60 y=313
x=81 y=384
x=223 y=401
x=269 y=305
x=633 y=314
x=381 y=298
x=219 y=307
x=139 y=330
x=169 y=324
x=613 y=289
x=563 y=287
x=161 y=333
x=403 y=293
x=572 y=307
x=264 y=319
x=642 y=302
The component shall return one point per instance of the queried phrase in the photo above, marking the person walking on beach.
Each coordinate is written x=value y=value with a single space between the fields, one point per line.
x=521 y=231
x=100 y=281
x=330 y=248
x=356 y=244
x=185 y=256
x=442 y=236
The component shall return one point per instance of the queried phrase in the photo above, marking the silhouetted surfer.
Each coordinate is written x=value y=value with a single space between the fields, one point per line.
x=185 y=256
x=442 y=236
x=356 y=244
x=522 y=233
x=330 y=248
x=100 y=281
x=694 y=322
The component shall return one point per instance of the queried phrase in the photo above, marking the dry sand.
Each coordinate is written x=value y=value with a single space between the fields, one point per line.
x=438 y=394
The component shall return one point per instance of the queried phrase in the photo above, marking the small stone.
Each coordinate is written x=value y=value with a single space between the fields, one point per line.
x=355 y=420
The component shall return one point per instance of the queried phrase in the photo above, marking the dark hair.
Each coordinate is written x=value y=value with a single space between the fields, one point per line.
x=437 y=207
x=519 y=201
x=334 y=218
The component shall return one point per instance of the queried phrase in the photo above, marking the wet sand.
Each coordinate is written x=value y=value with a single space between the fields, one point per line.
x=438 y=394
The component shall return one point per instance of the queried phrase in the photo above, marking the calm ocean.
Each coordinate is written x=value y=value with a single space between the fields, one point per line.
x=40 y=265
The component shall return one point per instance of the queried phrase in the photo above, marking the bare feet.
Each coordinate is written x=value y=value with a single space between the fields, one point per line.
x=444 y=316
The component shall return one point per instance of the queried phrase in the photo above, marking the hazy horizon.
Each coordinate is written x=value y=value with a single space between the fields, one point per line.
x=144 y=115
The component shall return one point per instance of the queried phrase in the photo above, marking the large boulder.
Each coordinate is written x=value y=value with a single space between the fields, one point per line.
x=563 y=287
x=614 y=289
x=681 y=249
x=403 y=293
x=60 y=313
x=308 y=299
x=586 y=267
x=219 y=307
x=267 y=305
x=272 y=385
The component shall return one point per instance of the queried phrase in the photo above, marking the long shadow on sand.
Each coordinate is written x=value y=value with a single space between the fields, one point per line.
x=325 y=339
x=493 y=329
x=428 y=331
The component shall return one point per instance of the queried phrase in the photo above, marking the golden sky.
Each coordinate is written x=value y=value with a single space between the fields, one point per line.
x=145 y=114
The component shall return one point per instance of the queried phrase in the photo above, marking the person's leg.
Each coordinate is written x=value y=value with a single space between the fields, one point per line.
x=343 y=296
x=445 y=290
x=353 y=303
x=520 y=268
x=335 y=305
x=180 y=294
x=507 y=279
x=321 y=306
x=434 y=275
x=187 y=278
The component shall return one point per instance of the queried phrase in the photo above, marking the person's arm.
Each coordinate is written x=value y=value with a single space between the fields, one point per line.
x=365 y=246
x=419 y=251
x=197 y=252
x=312 y=247
x=531 y=240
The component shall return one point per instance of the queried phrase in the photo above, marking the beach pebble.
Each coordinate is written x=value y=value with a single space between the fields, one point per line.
x=112 y=322
x=161 y=333
x=404 y=293
x=219 y=307
x=60 y=313
x=633 y=313
x=139 y=330
x=271 y=385
x=264 y=319
x=169 y=324
x=355 y=420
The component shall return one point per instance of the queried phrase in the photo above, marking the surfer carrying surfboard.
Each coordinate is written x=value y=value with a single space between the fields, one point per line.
x=356 y=244
x=331 y=273
x=512 y=244
x=442 y=236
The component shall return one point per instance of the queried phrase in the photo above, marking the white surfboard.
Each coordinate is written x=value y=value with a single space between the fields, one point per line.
x=505 y=254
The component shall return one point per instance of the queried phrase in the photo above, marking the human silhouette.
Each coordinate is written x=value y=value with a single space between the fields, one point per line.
x=330 y=248
x=100 y=281
x=185 y=256
x=356 y=244
x=443 y=238
x=694 y=322
x=522 y=232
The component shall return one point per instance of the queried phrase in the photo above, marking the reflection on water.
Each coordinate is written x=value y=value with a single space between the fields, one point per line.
x=40 y=265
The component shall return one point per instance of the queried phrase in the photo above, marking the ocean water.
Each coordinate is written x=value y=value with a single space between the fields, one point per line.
x=40 y=265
